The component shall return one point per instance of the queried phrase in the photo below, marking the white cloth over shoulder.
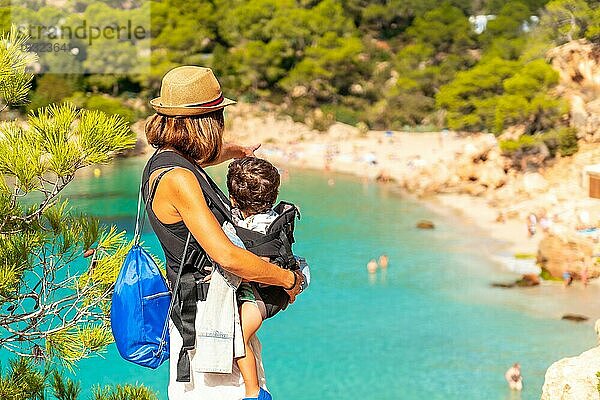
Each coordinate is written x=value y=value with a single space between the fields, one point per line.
x=209 y=386
x=219 y=337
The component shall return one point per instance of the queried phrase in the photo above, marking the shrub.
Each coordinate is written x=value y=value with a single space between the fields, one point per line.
x=567 y=141
x=524 y=143
x=343 y=114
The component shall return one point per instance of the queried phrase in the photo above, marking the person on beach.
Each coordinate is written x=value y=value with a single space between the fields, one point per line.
x=584 y=276
x=253 y=186
x=187 y=131
x=532 y=224
x=513 y=377
x=567 y=278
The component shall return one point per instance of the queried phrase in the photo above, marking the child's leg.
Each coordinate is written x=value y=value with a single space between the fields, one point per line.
x=251 y=320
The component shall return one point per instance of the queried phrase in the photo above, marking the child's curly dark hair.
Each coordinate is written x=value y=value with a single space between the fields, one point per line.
x=253 y=184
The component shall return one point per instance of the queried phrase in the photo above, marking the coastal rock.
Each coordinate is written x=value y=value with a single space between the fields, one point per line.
x=528 y=280
x=567 y=252
x=533 y=183
x=578 y=65
x=573 y=378
x=492 y=175
x=473 y=189
x=432 y=179
x=467 y=171
x=579 y=114
x=425 y=224
x=574 y=317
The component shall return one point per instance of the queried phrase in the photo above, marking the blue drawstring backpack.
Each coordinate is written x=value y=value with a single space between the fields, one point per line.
x=142 y=304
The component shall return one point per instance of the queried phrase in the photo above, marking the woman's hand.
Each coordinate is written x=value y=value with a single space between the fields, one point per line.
x=232 y=150
x=238 y=151
x=297 y=288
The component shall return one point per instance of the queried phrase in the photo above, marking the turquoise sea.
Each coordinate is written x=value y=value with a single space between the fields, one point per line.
x=429 y=328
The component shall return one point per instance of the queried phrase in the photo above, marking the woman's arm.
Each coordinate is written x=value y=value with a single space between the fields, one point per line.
x=179 y=197
x=232 y=150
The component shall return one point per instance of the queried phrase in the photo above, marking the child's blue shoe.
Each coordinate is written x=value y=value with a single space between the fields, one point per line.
x=262 y=395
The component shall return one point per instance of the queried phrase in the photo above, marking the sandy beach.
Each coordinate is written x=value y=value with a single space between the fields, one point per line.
x=392 y=158
x=443 y=171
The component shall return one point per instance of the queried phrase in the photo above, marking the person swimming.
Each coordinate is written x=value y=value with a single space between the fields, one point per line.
x=383 y=261
x=372 y=266
x=513 y=377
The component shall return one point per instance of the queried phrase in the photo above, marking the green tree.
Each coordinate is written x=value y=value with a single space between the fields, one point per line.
x=14 y=81
x=566 y=20
x=267 y=40
x=56 y=300
x=446 y=29
x=183 y=27
x=504 y=36
x=593 y=31
x=320 y=70
x=52 y=88
x=386 y=18
x=497 y=93
x=441 y=44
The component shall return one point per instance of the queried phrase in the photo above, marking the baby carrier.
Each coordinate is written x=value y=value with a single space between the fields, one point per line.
x=191 y=288
x=276 y=244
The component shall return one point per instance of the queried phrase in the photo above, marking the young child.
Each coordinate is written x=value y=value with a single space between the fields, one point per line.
x=253 y=185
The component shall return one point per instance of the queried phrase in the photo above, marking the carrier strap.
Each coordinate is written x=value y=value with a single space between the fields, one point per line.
x=184 y=320
x=141 y=211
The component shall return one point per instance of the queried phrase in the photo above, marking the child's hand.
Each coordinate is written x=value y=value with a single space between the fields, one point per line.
x=208 y=269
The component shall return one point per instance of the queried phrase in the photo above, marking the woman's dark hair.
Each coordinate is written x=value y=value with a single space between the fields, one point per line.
x=253 y=184
x=200 y=137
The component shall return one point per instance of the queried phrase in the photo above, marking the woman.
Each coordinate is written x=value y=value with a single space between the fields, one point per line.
x=187 y=132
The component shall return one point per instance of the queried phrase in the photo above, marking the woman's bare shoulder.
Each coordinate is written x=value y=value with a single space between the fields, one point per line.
x=175 y=178
x=178 y=190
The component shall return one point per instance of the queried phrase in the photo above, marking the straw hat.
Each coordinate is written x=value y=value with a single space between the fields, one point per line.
x=189 y=90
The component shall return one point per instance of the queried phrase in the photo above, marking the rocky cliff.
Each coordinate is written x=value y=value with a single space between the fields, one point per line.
x=574 y=378
x=578 y=63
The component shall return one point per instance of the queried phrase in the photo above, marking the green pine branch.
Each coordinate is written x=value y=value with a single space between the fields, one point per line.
x=15 y=82
x=57 y=267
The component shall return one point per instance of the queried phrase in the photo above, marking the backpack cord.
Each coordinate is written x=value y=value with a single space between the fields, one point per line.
x=137 y=233
x=173 y=296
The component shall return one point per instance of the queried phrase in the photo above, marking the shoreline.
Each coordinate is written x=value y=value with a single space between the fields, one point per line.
x=464 y=178
x=550 y=300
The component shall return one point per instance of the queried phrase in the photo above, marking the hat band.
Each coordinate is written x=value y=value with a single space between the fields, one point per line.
x=211 y=103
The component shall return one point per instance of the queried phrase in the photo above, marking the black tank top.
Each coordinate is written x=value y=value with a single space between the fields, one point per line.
x=172 y=237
